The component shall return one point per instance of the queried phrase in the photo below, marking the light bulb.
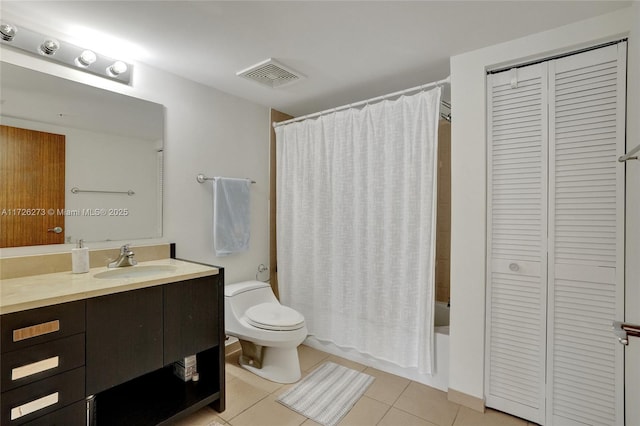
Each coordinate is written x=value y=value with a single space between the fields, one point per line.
x=7 y=32
x=117 y=68
x=49 y=47
x=85 y=59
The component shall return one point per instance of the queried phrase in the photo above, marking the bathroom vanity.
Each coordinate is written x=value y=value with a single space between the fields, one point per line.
x=82 y=349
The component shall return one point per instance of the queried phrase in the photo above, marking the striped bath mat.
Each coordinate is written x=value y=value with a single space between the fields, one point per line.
x=327 y=394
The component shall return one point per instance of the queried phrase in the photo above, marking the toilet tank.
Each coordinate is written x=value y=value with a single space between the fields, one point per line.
x=241 y=296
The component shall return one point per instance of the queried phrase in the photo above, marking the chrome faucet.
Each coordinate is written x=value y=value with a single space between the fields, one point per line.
x=125 y=258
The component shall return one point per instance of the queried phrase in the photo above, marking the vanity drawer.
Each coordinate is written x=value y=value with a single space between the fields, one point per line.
x=72 y=415
x=37 y=362
x=34 y=326
x=29 y=402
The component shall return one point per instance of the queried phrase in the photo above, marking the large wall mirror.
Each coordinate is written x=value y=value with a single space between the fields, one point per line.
x=76 y=162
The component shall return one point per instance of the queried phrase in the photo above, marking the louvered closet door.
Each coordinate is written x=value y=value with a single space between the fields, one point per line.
x=517 y=199
x=586 y=236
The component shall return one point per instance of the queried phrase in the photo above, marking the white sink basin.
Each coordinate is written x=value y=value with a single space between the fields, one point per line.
x=135 y=271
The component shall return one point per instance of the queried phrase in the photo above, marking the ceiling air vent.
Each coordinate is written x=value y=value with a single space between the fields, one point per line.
x=271 y=73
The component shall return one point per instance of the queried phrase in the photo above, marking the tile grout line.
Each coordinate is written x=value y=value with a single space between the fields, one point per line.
x=385 y=413
x=456 y=416
x=400 y=394
x=416 y=415
x=251 y=406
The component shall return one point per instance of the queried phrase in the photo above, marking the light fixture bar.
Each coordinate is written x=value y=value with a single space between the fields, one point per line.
x=64 y=53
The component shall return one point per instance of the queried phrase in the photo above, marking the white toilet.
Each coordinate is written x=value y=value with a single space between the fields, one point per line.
x=269 y=333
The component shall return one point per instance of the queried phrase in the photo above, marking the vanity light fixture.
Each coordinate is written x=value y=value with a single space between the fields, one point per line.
x=86 y=58
x=117 y=68
x=49 y=47
x=64 y=53
x=7 y=32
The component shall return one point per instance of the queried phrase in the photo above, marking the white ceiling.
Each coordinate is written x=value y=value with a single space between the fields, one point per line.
x=349 y=51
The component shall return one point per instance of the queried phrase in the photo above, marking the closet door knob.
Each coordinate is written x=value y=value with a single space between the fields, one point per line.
x=514 y=267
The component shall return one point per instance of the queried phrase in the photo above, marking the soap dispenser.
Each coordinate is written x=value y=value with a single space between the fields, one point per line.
x=80 y=258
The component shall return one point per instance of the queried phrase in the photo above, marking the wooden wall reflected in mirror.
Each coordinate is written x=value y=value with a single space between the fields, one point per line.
x=32 y=172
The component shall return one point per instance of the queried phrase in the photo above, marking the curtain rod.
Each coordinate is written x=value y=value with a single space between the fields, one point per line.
x=379 y=98
x=558 y=56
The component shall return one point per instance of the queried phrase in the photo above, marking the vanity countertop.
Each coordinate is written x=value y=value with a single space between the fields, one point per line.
x=35 y=291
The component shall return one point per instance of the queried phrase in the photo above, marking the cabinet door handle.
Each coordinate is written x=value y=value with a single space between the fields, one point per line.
x=514 y=267
x=35 y=405
x=35 y=368
x=36 y=330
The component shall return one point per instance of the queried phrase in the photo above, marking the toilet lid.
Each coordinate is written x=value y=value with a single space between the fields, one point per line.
x=272 y=316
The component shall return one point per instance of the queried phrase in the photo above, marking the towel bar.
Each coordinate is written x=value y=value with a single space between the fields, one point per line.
x=202 y=178
x=76 y=190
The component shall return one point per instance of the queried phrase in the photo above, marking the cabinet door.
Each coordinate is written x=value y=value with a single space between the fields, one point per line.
x=191 y=317
x=124 y=337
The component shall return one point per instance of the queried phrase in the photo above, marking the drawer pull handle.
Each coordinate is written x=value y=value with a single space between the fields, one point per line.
x=35 y=405
x=34 y=368
x=36 y=330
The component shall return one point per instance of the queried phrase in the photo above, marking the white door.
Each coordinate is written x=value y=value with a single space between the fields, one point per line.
x=585 y=365
x=517 y=233
x=632 y=291
x=555 y=273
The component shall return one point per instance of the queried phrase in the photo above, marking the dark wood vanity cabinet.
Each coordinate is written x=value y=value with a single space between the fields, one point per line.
x=131 y=340
x=149 y=330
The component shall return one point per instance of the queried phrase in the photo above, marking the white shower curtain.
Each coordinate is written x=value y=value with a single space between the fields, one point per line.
x=356 y=198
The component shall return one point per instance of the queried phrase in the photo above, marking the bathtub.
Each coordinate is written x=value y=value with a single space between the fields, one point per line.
x=441 y=318
x=440 y=377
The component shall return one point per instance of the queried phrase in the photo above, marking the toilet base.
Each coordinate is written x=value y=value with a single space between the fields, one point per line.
x=280 y=365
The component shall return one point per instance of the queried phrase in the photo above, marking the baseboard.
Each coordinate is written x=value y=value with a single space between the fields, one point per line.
x=231 y=348
x=468 y=401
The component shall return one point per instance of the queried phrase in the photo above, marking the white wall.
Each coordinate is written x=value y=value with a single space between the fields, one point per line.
x=468 y=180
x=206 y=131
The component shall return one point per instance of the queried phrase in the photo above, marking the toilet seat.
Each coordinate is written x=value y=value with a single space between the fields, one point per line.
x=272 y=316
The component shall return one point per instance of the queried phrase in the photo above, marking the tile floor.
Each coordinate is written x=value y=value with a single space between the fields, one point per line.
x=389 y=401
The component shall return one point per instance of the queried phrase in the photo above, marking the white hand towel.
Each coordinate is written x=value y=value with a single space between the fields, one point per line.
x=231 y=215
